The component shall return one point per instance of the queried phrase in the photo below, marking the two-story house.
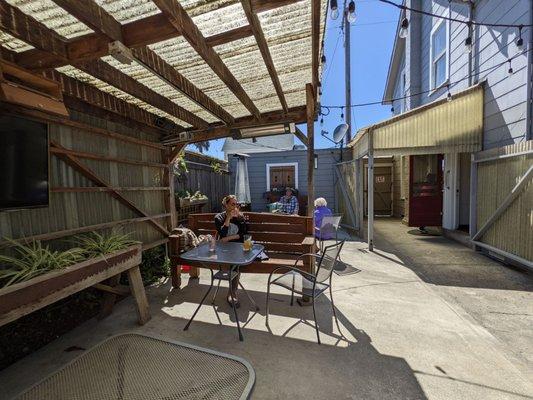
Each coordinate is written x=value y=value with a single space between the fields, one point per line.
x=455 y=88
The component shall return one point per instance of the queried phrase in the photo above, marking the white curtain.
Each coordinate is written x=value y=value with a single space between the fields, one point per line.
x=242 y=185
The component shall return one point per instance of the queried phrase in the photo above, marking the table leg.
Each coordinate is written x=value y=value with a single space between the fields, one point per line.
x=201 y=302
x=231 y=277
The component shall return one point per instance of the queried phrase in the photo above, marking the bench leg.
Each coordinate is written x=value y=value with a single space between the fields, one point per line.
x=137 y=289
x=175 y=275
x=194 y=272
x=109 y=298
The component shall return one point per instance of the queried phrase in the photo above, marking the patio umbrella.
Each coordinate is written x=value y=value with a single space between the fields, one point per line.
x=242 y=185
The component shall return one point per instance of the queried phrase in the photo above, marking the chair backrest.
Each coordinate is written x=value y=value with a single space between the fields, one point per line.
x=329 y=225
x=327 y=262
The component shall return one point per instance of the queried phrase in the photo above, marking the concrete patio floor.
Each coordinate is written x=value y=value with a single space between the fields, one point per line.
x=406 y=335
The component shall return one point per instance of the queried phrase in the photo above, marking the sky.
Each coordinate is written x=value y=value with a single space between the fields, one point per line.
x=372 y=38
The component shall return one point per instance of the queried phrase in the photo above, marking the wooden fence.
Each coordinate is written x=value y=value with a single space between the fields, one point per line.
x=502 y=201
x=203 y=177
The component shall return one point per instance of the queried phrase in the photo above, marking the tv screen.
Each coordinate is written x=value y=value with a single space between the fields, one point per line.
x=23 y=163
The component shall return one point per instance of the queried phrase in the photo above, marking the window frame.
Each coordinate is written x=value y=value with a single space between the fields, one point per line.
x=286 y=164
x=446 y=54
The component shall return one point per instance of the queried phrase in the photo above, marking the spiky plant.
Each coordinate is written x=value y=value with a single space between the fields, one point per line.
x=95 y=244
x=33 y=260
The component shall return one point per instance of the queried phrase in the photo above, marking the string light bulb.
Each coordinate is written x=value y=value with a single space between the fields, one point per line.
x=321 y=121
x=334 y=9
x=468 y=44
x=323 y=59
x=351 y=16
x=404 y=28
x=510 y=70
x=342 y=113
x=520 y=41
x=449 y=95
x=392 y=110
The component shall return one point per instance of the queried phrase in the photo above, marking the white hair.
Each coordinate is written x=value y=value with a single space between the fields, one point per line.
x=321 y=202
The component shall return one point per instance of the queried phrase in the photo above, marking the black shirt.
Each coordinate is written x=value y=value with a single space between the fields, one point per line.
x=237 y=226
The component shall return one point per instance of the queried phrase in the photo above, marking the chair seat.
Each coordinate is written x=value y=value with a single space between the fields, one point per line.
x=302 y=285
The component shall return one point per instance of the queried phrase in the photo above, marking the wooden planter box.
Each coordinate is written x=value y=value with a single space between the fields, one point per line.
x=25 y=297
x=197 y=202
x=185 y=202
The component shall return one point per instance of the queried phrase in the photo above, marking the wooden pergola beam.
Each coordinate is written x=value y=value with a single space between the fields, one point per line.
x=142 y=32
x=29 y=30
x=151 y=61
x=315 y=42
x=310 y=111
x=300 y=135
x=255 y=24
x=96 y=17
x=179 y=18
x=95 y=97
x=293 y=115
x=105 y=72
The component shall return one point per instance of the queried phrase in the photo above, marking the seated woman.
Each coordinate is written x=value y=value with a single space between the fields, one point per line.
x=321 y=211
x=231 y=227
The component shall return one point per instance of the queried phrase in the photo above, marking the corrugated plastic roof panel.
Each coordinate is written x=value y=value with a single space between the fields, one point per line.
x=54 y=17
x=84 y=77
x=287 y=30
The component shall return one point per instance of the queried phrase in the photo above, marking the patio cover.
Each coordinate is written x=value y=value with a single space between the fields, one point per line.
x=439 y=127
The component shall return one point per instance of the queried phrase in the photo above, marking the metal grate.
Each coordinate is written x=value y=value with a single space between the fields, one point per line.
x=133 y=366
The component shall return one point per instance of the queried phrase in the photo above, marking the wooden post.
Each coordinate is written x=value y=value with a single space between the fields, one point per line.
x=310 y=96
x=370 y=192
x=137 y=289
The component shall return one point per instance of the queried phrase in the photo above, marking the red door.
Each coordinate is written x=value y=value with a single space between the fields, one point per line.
x=425 y=190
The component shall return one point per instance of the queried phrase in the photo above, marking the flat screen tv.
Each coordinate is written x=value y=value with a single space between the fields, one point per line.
x=23 y=163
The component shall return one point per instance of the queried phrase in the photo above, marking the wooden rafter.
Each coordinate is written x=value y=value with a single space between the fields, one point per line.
x=150 y=60
x=300 y=135
x=89 y=174
x=142 y=32
x=96 y=17
x=105 y=72
x=255 y=24
x=179 y=18
x=47 y=40
x=31 y=31
x=294 y=115
x=315 y=42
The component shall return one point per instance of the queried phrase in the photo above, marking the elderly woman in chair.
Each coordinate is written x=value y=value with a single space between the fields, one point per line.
x=231 y=226
x=321 y=211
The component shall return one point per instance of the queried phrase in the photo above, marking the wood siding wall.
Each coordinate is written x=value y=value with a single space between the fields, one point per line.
x=324 y=175
x=70 y=208
x=512 y=232
x=505 y=100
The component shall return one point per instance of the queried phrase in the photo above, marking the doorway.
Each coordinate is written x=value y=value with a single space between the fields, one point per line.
x=382 y=189
x=425 y=190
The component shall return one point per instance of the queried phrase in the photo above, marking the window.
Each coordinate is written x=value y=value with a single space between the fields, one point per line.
x=439 y=55
x=281 y=175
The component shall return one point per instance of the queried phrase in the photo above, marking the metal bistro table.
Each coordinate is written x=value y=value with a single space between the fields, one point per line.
x=230 y=255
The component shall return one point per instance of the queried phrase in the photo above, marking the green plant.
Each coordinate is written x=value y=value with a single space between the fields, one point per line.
x=33 y=260
x=217 y=168
x=180 y=166
x=95 y=244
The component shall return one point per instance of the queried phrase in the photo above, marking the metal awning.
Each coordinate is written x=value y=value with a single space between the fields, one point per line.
x=443 y=126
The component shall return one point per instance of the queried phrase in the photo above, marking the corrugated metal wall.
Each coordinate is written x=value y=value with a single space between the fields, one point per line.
x=70 y=210
x=512 y=232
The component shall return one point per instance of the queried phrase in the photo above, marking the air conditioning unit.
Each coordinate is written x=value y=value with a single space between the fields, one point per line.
x=22 y=87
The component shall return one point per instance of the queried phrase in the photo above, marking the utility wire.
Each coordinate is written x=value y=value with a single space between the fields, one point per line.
x=449 y=85
x=402 y=7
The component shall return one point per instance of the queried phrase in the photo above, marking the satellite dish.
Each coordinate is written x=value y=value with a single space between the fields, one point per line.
x=339 y=133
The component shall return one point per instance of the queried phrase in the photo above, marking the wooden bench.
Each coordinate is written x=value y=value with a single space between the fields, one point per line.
x=285 y=237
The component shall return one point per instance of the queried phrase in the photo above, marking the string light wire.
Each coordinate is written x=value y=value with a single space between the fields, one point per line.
x=402 y=7
x=450 y=85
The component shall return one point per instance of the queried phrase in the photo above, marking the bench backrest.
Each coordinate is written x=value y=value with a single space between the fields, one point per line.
x=283 y=233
